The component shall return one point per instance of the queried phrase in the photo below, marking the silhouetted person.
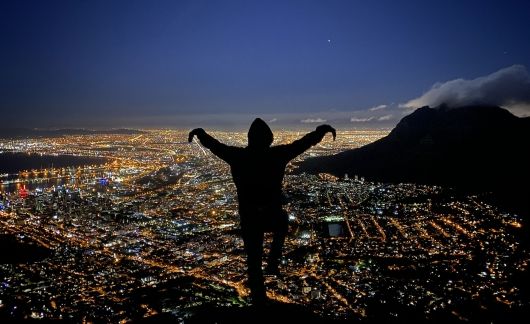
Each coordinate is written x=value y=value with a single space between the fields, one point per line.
x=258 y=172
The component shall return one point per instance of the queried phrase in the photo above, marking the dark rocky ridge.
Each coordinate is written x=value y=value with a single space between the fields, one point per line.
x=474 y=148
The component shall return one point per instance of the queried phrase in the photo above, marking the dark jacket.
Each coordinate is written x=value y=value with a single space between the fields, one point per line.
x=259 y=168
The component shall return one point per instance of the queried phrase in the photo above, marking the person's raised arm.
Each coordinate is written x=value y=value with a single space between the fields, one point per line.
x=301 y=145
x=221 y=150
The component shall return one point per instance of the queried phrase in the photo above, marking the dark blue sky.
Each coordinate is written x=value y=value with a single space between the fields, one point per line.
x=163 y=63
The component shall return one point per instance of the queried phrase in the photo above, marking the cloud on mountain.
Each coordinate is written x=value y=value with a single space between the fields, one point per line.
x=508 y=87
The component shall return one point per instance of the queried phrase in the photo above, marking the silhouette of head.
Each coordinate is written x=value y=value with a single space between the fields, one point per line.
x=259 y=134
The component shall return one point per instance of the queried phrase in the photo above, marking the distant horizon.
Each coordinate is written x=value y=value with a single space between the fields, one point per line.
x=363 y=120
x=274 y=128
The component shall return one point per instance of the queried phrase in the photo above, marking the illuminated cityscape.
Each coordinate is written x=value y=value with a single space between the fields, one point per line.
x=147 y=224
x=419 y=211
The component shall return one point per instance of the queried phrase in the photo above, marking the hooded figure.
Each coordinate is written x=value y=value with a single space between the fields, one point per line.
x=259 y=135
x=258 y=171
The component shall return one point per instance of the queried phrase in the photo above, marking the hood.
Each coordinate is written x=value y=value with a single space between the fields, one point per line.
x=259 y=134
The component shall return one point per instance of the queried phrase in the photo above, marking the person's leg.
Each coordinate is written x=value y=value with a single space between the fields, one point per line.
x=253 y=240
x=278 y=240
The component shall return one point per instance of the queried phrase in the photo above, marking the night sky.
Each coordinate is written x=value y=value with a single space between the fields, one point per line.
x=222 y=63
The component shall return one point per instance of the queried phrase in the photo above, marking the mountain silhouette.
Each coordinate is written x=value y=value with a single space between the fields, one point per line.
x=474 y=148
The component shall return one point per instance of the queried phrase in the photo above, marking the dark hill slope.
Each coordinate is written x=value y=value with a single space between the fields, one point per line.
x=478 y=148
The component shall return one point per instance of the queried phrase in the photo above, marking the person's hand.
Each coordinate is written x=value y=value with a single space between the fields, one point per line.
x=195 y=132
x=327 y=129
